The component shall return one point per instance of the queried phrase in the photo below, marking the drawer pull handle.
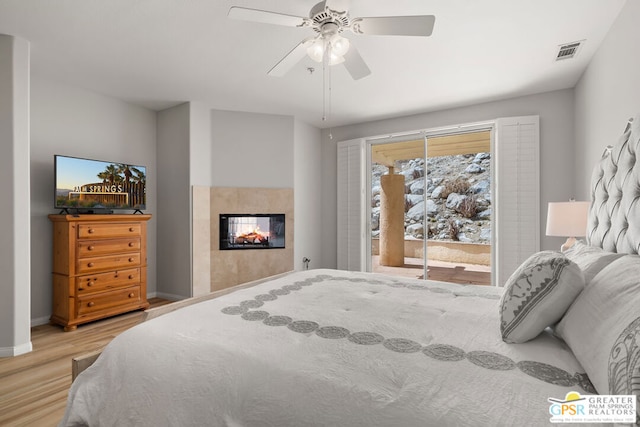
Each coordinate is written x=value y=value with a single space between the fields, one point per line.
x=90 y=284
x=131 y=295
x=130 y=259
x=90 y=264
x=89 y=248
x=81 y=288
x=130 y=276
x=131 y=229
x=131 y=244
x=90 y=231
x=91 y=304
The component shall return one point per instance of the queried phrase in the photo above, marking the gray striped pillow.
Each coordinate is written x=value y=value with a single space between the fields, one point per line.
x=590 y=259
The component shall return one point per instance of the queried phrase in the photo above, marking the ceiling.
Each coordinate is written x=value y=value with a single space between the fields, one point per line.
x=159 y=53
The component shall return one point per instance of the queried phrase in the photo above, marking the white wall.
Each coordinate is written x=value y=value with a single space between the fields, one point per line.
x=607 y=95
x=556 y=150
x=307 y=194
x=251 y=150
x=72 y=121
x=174 y=203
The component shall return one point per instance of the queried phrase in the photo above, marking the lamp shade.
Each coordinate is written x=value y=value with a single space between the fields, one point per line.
x=567 y=219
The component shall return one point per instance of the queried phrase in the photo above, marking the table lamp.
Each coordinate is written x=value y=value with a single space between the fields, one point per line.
x=567 y=219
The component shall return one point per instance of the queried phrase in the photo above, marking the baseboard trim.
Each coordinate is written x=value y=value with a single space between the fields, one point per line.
x=16 y=350
x=170 y=297
x=40 y=321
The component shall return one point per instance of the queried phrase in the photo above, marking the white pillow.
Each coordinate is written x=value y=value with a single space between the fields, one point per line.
x=590 y=259
x=537 y=294
x=602 y=328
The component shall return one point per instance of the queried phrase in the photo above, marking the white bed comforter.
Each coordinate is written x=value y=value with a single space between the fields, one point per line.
x=327 y=348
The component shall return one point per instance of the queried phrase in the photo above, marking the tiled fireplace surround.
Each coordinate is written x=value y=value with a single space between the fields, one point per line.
x=214 y=269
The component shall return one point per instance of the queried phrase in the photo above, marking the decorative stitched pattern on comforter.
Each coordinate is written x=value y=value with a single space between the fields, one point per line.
x=329 y=348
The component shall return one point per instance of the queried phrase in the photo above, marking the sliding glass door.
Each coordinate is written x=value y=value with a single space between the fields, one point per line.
x=431 y=207
x=397 y=174
x=494 y=199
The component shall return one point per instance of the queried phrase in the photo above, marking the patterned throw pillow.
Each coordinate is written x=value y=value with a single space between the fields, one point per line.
x=537 y=294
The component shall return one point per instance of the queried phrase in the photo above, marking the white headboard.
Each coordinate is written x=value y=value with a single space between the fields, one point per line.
x=614 y=216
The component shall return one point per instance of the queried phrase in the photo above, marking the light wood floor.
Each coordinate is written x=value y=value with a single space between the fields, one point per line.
x=34 y=386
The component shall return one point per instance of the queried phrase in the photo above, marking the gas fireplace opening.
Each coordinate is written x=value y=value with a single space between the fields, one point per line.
x=251 y=231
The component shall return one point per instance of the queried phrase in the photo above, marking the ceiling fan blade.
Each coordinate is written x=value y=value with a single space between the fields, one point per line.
x=419 y=25
x=355 y=65
x=337 y=5
x=266 y=17
x=291 y=58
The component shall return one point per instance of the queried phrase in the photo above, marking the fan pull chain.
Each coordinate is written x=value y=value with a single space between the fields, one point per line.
x=326 y=86
x=325 y=71
x=324 y=91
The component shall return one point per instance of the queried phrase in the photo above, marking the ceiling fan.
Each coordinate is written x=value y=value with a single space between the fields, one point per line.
x=329 y=19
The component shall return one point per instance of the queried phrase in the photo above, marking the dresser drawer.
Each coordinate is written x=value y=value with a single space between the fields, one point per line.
x=105 y=281
x=111 y=262
x=106 y=300
x=90 y=248
x=108 y=230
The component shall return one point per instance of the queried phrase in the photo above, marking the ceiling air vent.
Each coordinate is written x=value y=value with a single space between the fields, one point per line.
x=568 y=50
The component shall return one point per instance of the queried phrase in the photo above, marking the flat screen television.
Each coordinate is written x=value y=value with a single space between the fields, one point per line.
x=92 y=186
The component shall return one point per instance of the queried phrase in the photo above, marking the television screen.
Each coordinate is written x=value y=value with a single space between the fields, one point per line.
x=87 y=184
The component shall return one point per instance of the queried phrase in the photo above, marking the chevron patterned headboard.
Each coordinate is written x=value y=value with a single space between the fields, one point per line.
x=614 y=216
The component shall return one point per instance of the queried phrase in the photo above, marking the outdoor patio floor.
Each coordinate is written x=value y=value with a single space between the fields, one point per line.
x=438 y=270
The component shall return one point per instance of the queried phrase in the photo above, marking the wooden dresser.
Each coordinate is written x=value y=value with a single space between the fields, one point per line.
x=99 y=267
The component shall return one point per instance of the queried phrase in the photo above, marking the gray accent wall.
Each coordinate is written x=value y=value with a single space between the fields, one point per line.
x=307 y=169
x=75 y=122
x=251 y=150
x=607 y=95
x=174 y=203
x=199 y=144
x=15 y=335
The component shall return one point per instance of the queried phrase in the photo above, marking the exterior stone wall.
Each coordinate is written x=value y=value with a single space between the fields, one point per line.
x=458 y=198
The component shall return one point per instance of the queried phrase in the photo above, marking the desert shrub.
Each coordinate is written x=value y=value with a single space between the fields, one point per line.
x=458 y=185
x=468 y=208
x=418 y=172
x=407 y=205
x=432 y=231
x=453 y=229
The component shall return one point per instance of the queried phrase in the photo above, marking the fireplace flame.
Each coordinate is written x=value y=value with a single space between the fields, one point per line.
x=253 y=236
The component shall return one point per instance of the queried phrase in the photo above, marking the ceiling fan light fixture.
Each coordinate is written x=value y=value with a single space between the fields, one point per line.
x=338 y=46
x=316 y=50
x=335 y=59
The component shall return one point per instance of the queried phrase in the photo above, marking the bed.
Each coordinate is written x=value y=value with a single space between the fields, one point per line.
x=337 y=348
